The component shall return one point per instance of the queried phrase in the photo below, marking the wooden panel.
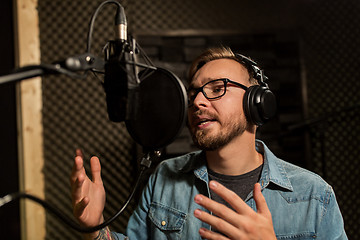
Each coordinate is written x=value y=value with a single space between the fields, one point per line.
x=29 y=120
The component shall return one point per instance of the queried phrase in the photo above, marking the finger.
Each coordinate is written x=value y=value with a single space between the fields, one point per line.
x=230 y=197
x=78 y=168
x=221 y=211
x=219 y=224
x=207 y=234
x=79 y=153
x=217 y=209
x=260 y=201
x=95 y=170
x=76 y=189
x=80 y=206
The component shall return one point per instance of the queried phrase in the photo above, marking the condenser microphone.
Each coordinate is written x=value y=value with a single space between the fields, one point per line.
x=117 y=71
x=151 y=102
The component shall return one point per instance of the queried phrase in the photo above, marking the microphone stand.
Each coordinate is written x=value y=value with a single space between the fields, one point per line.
x=69 y=67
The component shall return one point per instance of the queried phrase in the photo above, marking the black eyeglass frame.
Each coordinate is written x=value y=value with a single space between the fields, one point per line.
x=201 y=89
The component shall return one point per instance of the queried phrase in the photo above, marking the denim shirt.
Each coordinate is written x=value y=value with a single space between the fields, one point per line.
x=302 y=204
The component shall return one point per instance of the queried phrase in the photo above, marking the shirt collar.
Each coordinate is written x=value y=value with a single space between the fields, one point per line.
x=273 y=169
x=197 y=164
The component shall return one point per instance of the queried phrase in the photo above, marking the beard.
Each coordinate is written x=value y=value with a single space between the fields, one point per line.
x=231 y=128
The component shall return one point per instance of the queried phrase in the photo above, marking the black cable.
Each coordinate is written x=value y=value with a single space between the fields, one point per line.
x=93 y=18
x=120 y=18
x=15 y=196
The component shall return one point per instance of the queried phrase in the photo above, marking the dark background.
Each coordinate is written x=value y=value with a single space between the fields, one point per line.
x=9 y=182
x=309 y=50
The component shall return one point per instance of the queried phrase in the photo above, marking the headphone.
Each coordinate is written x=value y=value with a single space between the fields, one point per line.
x=259 y=102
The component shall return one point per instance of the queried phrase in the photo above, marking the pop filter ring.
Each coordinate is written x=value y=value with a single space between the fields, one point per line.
x=161 y=109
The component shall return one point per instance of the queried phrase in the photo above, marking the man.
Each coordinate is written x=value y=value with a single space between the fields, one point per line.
x=264 y=197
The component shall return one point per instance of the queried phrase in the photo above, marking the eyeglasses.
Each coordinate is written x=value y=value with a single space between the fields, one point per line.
x=213 y=89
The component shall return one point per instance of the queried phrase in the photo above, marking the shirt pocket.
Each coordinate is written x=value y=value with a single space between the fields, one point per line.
x=166 y=218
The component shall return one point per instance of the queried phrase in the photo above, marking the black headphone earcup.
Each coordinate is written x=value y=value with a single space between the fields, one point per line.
x=259 y=104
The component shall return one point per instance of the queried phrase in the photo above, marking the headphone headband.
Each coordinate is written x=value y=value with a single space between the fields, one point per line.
x=259 y=102
x=253 y=66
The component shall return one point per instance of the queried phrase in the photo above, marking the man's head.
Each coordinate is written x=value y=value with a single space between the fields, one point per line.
x=216 y=116
x=217 y=53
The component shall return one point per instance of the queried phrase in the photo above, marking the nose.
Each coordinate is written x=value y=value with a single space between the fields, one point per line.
x=200 y=100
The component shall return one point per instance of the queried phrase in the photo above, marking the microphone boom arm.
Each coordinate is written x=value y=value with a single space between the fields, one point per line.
x=69 y=67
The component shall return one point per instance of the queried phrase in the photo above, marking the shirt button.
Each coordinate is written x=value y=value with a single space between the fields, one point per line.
x=163 y=223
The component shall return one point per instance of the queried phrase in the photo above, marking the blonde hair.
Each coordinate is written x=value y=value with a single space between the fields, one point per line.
x=213 y=54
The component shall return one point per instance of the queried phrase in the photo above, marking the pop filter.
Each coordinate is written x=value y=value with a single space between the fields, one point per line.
x=161 y=109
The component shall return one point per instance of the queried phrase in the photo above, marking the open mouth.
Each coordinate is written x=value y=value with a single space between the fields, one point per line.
x=204 y=122
x=202 y=119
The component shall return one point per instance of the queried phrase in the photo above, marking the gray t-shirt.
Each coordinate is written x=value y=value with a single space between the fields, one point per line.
x=242 y=184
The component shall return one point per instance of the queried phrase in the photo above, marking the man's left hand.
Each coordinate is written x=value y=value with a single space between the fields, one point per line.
x=243 y=223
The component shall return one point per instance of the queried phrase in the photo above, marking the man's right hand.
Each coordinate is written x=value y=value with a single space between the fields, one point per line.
x=88 y=196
